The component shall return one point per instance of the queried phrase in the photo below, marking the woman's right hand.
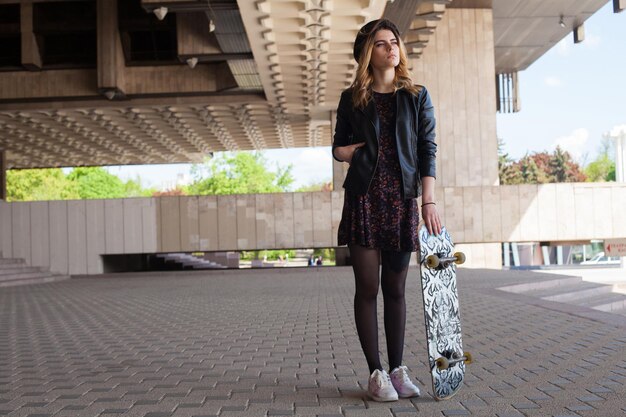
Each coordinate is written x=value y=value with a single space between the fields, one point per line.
x=345 y=153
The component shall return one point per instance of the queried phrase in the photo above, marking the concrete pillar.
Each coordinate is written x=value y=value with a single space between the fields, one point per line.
x=31 y=57
x=515 y=252
x=545 y=252
x=618 y=134
x=111 y=62
x=506 y=250
x=3 y=175
x=559 y=255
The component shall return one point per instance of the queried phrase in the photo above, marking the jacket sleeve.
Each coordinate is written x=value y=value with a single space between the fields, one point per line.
x=343 y=128
x=426 y=146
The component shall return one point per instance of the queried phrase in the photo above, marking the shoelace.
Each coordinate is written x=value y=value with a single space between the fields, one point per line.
x=403 y=375
x=382 y=379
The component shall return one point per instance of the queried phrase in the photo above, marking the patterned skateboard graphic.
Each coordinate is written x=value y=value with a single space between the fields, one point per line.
x=441 y=313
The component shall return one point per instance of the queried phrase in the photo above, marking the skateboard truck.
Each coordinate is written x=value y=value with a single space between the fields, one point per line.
x=445 y=363
x=437 y=262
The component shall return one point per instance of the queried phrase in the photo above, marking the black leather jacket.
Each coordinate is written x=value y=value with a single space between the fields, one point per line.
x=415 y=139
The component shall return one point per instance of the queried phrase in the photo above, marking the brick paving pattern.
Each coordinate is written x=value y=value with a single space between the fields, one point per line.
x=282 y=343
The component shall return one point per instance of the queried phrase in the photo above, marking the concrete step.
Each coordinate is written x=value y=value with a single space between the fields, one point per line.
x=24 y=275
x=211 y=265
x=11 y=261
x=17 y=270
x=201 y=264
x=44 y=278
x=572 y=293
x=575 y=291
x=189 y=261
x=611 y=302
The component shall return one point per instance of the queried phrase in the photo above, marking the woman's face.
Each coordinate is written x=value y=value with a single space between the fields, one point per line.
x=386 y=51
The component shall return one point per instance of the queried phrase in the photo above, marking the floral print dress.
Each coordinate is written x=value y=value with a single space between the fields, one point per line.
x=382 y=218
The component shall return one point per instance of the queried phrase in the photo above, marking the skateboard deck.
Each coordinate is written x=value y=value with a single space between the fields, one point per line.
x=441 y=312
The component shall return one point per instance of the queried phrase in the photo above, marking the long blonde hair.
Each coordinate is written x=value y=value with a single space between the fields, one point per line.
x=364 y=78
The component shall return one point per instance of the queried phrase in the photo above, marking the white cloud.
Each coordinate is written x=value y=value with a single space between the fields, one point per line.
x=552 y=81
x=574 y=143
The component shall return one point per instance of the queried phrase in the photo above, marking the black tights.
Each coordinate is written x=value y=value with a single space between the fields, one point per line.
x=365 y=263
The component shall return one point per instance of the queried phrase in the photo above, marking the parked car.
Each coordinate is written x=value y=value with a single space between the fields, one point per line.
x=601 y=259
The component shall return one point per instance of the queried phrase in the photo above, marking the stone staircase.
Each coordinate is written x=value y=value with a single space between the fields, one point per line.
x=574 y=291
x=187 y=261
x=14 y=271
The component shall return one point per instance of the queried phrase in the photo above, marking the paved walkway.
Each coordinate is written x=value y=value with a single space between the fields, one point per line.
x=282 y=342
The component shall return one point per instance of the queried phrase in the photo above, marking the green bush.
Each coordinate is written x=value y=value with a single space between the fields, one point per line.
x=272 y=255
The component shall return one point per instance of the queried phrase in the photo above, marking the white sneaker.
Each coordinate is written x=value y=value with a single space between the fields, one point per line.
x=402 y=383
x=380 y=388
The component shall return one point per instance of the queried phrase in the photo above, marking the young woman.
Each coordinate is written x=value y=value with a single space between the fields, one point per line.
x=386 y=131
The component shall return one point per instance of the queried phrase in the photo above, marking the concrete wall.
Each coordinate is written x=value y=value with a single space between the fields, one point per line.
x=70 y=236
x=458 y=68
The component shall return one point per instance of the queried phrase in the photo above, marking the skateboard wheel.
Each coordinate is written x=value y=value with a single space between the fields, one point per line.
x=432 y=261
x=442 y=363
x=460 y=258
x=468 y=358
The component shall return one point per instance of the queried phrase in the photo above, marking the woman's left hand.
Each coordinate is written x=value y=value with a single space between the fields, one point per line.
x=431 y=219
x=429 y=208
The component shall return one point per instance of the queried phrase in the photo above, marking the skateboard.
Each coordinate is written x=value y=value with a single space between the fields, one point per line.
x=441 y=312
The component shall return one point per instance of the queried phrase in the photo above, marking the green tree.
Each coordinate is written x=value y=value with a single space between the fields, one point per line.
x=133 y=188
x=563 y=169
x=603 y=168
x=81 y=183
x=96 y=182
x=540 y=168
x=327 y=254
x=270 y=255
x=39 y=185
x=507 y=172
x=239 y=173
x=612 y=176
x=530 y=171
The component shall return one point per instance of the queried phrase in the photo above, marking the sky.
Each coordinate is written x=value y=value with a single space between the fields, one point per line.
x=570 y=97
